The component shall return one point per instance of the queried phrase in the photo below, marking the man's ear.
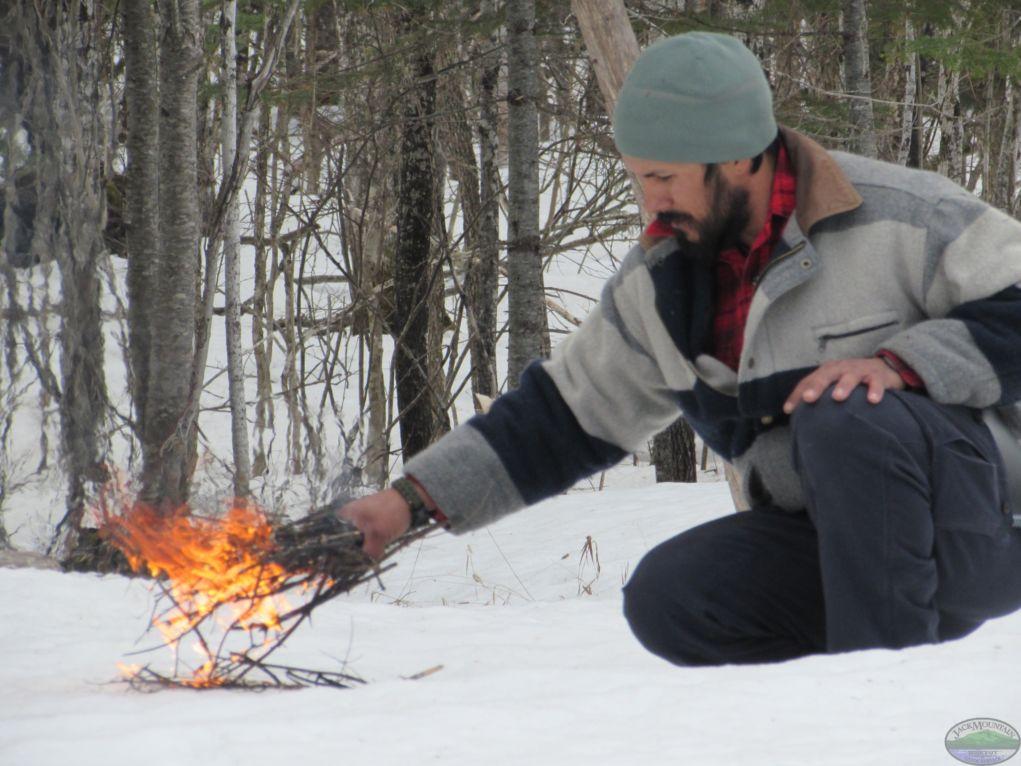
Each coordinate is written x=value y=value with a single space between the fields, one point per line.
x=736 y=170
x=743 y=167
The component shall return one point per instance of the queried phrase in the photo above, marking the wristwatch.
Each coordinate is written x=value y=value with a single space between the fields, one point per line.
x=420 y=515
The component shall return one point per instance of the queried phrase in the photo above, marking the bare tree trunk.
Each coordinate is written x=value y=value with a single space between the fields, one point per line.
x=484 y=272
x=957 y=170
x=231 y=246
x=1005 y=181
x=262 y=316
x=480 y=274
x=610 y=42
x=989 y=137
x=943 y=100
x=377 y=452
x=83 y=405
x=166 y=471
x=916 y=146
x=289 y=380
x=141 y=96
x=412 y=262
x=63 y=107
x=320 y=41
x=439 y=321
x=279 y=255
x=910 y=95
x=8 y=303
x=858 y=79
x=613 y=50
x=673 y=453
x=527 y=307
x=1016 y=159
x=374 y=195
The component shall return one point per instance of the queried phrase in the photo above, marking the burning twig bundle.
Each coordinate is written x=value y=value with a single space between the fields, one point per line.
x=235 y=576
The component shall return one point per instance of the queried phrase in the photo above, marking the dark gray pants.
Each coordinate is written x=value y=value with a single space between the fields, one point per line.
x=907 y=539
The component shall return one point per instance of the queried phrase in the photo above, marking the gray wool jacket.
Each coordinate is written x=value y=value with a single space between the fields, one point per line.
x=875 y=256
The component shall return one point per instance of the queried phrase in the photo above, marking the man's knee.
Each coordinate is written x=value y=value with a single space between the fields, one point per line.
x=645 y=603
x=828 y=425
x=826 y=415
x=656 y=611
x=710 y=595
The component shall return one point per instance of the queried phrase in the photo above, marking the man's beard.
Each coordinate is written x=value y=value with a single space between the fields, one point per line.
x=720 y=230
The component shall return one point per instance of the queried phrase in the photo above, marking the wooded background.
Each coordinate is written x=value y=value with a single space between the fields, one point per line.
x=358 y=201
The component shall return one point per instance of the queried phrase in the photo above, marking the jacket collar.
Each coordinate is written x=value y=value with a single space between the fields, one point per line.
x=822 y=188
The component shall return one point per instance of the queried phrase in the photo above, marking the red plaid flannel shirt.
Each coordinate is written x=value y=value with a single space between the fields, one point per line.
x=736 y=270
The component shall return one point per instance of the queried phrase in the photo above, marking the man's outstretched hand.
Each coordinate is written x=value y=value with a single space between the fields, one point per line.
x=847 y=374
x=381 y=518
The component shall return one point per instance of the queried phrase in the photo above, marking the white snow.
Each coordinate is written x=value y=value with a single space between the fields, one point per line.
x=535 y=669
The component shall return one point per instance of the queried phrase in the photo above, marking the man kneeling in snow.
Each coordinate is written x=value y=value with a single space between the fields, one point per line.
x=838 y=328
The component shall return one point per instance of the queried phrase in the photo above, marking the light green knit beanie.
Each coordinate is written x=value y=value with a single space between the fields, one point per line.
x=696 y=97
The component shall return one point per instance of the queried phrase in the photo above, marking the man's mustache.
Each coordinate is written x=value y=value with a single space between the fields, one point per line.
x=674 y=217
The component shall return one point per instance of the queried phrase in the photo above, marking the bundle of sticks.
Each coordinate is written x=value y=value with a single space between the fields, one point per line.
x=237 y=575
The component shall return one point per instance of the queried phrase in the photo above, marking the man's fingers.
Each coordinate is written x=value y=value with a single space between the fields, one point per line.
x=847 y=375
x=374 y=546
x=795 y=398
x=373 y=543
x=349 y=514
x=363 y=522
x=876 y=388
x=380 y=518
x=810 y=388
x=816 y=383
x=846 y=383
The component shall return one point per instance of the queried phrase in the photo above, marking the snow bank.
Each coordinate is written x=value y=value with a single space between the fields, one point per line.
x=538 y=667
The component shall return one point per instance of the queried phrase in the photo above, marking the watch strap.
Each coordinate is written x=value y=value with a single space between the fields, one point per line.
x=420 y=515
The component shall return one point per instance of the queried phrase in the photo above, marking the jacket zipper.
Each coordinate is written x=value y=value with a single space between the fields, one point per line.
x=790 y=253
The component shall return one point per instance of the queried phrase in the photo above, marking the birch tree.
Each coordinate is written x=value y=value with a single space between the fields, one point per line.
x=231 y=246
x=484 y=274
x=908 y=108
x=529 y=335
x=480 y=190
x=857 y=78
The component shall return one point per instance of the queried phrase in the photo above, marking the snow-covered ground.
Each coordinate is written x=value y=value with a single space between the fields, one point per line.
x=536 y=669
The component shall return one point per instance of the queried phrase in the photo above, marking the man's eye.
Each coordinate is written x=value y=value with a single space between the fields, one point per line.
x=662 y=178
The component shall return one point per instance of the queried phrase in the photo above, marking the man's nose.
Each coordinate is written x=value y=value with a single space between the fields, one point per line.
x=657 y=201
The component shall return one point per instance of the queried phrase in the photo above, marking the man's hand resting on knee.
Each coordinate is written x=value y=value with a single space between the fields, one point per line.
x=846 y=374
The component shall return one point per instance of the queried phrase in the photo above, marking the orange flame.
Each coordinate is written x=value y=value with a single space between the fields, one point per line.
x=212 y=566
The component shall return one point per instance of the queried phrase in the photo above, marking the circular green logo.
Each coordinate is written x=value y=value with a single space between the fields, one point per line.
x=982 y=741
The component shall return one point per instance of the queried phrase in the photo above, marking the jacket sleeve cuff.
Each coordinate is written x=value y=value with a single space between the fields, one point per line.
x=911 y=378
x=434 y=511
x=465 y=479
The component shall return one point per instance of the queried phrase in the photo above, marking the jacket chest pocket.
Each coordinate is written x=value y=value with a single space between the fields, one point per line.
x=855 y=338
